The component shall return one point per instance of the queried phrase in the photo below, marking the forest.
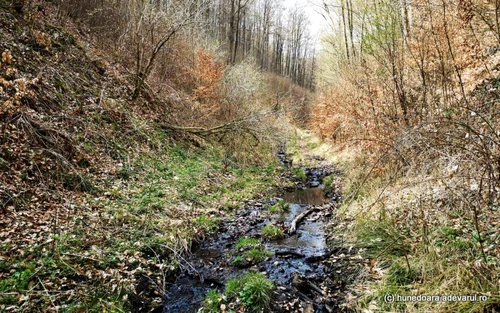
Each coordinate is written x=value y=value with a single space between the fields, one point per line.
x=249 y=156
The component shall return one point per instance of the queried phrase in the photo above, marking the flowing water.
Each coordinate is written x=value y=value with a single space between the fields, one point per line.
x=304 y=253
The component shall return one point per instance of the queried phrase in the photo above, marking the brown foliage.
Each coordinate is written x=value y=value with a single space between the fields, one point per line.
x=424 y=108
x=208 y=74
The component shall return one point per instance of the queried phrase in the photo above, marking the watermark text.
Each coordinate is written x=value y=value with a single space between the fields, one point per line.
x=434 y=298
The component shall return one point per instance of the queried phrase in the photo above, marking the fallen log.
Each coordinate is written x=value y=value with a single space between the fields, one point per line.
x=299 y=218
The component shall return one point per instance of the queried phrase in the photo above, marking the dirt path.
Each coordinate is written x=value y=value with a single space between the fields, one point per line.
x=307 y=265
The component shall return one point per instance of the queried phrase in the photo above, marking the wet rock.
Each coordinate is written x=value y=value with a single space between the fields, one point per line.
x=314 y=184
x=305 y=254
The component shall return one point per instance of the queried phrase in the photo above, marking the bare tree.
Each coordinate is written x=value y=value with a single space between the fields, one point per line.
x=152 y=25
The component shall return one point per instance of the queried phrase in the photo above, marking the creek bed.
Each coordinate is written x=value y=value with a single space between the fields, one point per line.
x=303 y=256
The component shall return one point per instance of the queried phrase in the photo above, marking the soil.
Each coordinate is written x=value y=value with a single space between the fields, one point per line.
x=309 y=268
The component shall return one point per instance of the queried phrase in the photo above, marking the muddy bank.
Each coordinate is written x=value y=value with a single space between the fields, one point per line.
x=307 y=266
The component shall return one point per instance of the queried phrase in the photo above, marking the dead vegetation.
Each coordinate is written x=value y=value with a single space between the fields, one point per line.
x=420 y=110
x=102 y=189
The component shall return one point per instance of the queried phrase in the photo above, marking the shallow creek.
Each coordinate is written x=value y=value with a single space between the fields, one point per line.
x=302 y=256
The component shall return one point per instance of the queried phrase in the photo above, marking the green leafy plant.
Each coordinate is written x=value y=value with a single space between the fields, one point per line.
x=19 y=280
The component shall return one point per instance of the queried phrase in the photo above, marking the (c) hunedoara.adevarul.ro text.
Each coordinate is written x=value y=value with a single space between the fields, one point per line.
x=435 y=298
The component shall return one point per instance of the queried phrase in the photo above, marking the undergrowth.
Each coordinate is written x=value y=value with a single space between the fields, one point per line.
x=272 y=232
x=419 y=236
x=252 y=290
x=96 y=193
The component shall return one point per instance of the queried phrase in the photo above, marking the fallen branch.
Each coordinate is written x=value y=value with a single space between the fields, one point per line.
x=315 y=287
x=299 y=218
x=303 y=296
x=81 y=256
x=236 y=124
x=289 y=252
x=304 y=284
x=317 y=258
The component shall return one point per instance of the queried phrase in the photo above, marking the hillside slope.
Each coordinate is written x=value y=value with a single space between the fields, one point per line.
x=98 y=198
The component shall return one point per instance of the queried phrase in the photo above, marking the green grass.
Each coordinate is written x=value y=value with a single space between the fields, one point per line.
x=207 y=224
x=256 y=255
x=213 y=301
x=279 y=207
x=250 y=250
x=253 y=290
x=400 y=275
x=238 y=259
x=300 y=173
x=256 y=291
x=328 y=183
x=245 y=242
x=272 y=232
x=381 y=237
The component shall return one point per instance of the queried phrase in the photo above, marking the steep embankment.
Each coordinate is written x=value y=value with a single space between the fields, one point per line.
x=97 y=199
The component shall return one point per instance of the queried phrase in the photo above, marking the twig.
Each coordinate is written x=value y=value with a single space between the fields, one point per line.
x=303 y=296
x=50 y=297
x=81 y=256
x=315 y=287
x=177 y=254
x=14 y=293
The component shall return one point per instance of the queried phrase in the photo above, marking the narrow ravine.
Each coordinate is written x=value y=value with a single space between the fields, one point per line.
x=308 y=271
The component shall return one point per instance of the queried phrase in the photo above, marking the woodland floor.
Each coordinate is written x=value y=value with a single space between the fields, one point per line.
x=102 y=209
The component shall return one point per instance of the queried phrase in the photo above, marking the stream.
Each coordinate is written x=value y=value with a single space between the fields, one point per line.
x=307 y=268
